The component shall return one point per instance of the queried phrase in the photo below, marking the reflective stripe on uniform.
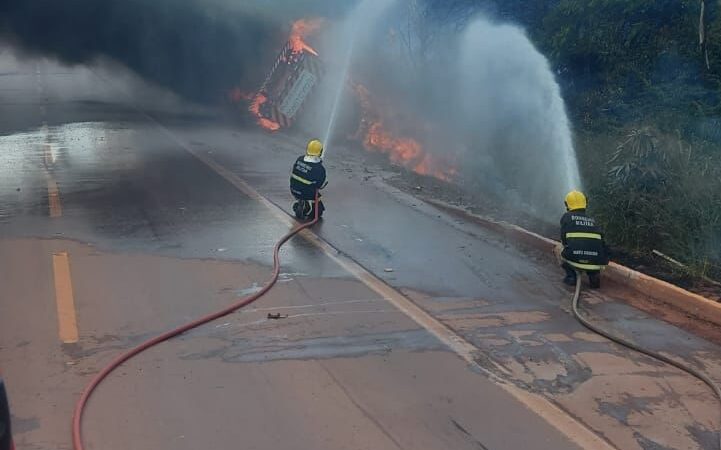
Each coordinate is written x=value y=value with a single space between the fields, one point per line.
x=584 y=266
x=301 y=179
x=584 y=236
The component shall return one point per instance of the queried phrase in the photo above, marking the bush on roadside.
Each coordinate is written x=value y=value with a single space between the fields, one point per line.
x=662 y=193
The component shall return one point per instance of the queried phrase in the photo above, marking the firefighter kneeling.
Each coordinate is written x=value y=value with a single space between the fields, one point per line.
x=306 y=180
x=584 y=249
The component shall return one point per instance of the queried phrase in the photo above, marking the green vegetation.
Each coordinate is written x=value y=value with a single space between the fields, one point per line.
x=658 y=192
x=637 y=73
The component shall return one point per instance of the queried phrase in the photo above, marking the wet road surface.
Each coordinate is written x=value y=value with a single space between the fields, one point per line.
x=114 y=230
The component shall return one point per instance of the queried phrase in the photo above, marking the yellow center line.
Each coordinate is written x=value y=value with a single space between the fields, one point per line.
x=48 y=155
x=64 y=299
x=56 y=208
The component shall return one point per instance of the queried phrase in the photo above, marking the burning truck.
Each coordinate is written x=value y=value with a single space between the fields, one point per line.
x=295 y=74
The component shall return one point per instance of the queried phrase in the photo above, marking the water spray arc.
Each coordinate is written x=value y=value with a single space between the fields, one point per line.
x=515 y=116
x=362 y=19
x=504 y=124
x=340 y=88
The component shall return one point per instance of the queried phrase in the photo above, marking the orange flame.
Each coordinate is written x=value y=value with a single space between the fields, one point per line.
x=237 y=95
x=254 y=108
x=301 y=30
x=407 y=152
x=404 y=151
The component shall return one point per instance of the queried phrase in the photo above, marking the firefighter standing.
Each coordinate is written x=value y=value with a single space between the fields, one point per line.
x=584 y=248
x=307 y=178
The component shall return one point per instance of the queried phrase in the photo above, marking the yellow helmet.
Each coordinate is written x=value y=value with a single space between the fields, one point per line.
x=314 y=148
x=576 y=200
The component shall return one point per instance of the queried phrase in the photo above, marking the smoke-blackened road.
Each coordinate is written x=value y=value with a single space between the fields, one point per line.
x=113 y=230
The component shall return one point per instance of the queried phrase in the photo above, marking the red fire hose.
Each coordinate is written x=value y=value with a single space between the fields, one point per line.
x=633 y=346
x=117 y=362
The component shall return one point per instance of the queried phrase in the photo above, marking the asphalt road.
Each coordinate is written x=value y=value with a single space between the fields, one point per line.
x=124 y=212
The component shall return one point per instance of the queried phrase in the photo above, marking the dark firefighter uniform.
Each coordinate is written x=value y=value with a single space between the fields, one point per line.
x=307 y=177
x=584 y=248
x=5 y=437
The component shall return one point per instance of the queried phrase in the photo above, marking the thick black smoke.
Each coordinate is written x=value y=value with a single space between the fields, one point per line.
x=197 y=48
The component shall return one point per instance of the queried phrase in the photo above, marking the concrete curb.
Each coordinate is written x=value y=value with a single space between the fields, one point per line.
x=661 y=291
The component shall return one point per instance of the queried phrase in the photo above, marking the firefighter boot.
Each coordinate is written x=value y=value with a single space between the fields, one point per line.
x=302 y=209
x=298 y=210
x=570 y=275
x=594 y=278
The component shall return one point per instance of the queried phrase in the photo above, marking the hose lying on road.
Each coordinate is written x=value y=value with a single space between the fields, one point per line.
x=626 y=343
x=117 y=362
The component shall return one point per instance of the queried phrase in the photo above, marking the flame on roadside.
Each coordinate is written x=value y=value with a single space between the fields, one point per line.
x=401 y=150
x=407 y=152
